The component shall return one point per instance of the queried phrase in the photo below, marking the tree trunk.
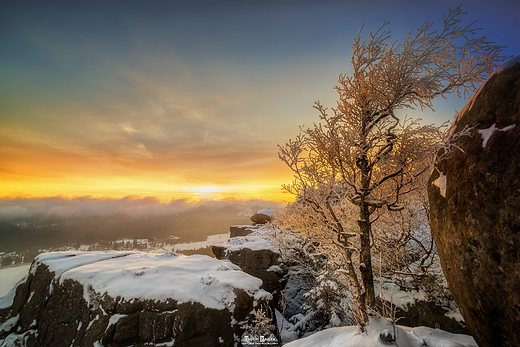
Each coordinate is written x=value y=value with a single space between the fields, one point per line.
x=365 y=258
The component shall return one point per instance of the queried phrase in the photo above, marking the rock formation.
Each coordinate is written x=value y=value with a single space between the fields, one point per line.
x=263 y=216
x=255 y=255
x=475 y=207
x=130 y=298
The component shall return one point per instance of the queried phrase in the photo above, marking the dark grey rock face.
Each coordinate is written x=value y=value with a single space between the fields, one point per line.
x=260 y=263
x=475 y=212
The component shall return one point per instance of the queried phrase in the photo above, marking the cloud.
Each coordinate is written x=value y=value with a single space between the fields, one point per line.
x=58 y=207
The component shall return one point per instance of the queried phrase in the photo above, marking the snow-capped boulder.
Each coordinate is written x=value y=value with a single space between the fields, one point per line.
x=263 y=216
x=130 y=298
x=475 y=203
x=256 y=254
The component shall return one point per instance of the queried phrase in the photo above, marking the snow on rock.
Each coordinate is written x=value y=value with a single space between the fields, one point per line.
x=11 y=276
x=267 y=211
x=352 y=336
x=9 y=324
x=60 y=262
x=256 y=254
x=195 y=278
x=486 y=133
x=255 y=241
x=441 y=183
x=128 y=298
x=263 y=216
x=7 y=299
x=392 y=293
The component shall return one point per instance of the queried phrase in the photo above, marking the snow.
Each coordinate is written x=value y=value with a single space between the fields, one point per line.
x=455 y=314
x=9 y=324
x=351 y=336
x=59 y=262
x=195 y=278
x=266 y=211
x=392 y=293
x=210 y=241
x=17 y=339
x=441 y=183
x=486 y=133
x=255 y=241
x=114 y=319
x=509 y=127
x=275 y=268
x=10 y=276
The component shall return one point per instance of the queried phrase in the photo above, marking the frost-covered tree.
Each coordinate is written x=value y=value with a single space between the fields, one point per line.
x=362 y=152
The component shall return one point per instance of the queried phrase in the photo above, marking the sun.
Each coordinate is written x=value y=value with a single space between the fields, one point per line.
x=207 y=192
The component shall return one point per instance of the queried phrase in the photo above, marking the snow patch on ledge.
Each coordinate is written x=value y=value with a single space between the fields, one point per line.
x=441 y=182
x=257 y=240
x=486 y=133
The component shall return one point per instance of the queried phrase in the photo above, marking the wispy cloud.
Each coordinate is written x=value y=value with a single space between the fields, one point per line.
x=116 y=98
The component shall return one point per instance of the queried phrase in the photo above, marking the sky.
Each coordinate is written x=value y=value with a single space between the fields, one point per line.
x=184 y=99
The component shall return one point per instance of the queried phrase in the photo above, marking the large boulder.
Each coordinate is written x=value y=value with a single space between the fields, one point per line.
x=129 y=298
x=475 y=207
x=263 y=216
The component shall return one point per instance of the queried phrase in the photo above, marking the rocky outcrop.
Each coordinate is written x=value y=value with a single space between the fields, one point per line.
x=256 y=255
x=121 y=299
x=475 y=207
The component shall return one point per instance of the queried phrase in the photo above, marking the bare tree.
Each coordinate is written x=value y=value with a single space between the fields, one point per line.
x=362 y=151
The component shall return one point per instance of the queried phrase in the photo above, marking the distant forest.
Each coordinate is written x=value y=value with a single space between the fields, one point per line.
x=39 y=232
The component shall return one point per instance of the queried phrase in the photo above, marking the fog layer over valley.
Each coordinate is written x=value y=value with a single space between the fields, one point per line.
x=28 y=223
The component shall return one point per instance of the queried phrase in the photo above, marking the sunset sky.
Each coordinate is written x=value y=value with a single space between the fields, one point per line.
x=184 y=99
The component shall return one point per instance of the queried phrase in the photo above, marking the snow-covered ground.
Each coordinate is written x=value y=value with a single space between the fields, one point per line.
x=133 y=274
x=210 y=241
x=9 y=276
x=351 y=336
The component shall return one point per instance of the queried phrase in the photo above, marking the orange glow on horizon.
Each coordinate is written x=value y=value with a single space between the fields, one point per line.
x=121 y=187
x=35 y=170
